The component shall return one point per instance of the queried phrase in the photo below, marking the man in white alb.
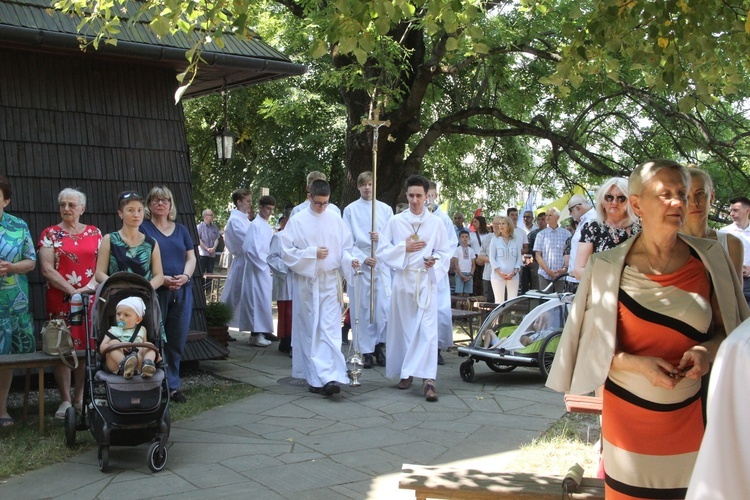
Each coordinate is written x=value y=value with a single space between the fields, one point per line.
x=415 y=245
x=358 y=218
x=316 y=246
x=311 y=177
x=256 y=313
x=445 y=318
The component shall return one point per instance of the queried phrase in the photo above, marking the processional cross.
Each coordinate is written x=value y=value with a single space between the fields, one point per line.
x=375 y=122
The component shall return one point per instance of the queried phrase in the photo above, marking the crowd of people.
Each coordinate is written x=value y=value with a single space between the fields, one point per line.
x=657 y=292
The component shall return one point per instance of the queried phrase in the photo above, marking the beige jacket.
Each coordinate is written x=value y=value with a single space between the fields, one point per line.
x=587 y=345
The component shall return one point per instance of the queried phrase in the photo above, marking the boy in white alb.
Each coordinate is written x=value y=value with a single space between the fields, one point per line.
x=463 y=265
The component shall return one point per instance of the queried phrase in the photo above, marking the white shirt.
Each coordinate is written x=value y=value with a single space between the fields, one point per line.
x=744 y=236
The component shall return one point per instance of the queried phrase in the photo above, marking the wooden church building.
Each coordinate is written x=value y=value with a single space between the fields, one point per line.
x=104 y=121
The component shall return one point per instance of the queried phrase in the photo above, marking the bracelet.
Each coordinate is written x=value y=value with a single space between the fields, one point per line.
x=186 y=276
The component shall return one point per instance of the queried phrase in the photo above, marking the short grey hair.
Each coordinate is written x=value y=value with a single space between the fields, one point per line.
x=620 y=183
x=648 y=169
x=72 y=192
x=576 y=199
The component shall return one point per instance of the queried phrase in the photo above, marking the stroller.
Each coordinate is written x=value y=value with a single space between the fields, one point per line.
x=523 y=331
x=119 y=411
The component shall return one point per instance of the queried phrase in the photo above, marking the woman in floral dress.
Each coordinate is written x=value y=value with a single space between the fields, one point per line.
x=67 y=255
x=17 y=258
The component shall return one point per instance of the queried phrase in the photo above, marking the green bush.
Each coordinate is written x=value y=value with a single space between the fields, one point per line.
x=218 y=314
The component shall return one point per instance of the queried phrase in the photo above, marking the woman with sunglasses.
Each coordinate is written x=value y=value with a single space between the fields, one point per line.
x=128 y=249
x=614 y=223
x=176 y=294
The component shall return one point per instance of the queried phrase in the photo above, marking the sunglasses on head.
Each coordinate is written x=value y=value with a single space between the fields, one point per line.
x=620 y=198
x=130 y=195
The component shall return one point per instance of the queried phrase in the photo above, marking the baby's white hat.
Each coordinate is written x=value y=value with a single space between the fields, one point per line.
x=135 y=303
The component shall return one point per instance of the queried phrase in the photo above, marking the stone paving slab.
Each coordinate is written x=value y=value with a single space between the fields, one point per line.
x=288 y=443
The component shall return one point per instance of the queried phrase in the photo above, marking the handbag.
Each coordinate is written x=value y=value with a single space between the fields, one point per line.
x=57 y=341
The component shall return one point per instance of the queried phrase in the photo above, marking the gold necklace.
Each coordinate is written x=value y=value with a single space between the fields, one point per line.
x=656 y=271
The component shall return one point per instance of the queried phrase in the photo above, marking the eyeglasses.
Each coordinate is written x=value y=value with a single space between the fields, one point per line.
x=320 y=203
x=530 y=217
x=65 y=205
x=570 y=209
x=130 y=195
x=161 y=201
x=620 y=198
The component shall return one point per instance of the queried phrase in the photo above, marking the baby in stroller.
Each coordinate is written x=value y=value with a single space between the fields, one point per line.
x=127 y=362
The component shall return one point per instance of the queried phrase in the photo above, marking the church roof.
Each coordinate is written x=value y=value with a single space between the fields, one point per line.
x=37 y=25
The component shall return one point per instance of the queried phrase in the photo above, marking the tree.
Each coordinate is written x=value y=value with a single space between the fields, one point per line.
x=485 y=71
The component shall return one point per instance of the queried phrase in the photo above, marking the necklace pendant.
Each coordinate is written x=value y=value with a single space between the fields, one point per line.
x=415 y=237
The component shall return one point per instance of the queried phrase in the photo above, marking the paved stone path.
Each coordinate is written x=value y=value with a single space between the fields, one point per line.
x=287 y=443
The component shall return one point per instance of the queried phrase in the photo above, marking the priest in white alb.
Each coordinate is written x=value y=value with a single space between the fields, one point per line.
x=358 y=218
x=256 y=313
x=416 y=247
x=316 y=246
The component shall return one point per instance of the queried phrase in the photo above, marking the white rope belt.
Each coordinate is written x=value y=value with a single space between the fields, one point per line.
x=418 y=292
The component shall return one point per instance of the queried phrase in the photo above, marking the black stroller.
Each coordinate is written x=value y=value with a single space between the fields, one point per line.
x=119 y=411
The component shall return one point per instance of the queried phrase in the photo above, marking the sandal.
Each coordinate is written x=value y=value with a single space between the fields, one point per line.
x=148 y=369
x=128 y=365
x=429 y=392
x=7 y=422
x=60 y=413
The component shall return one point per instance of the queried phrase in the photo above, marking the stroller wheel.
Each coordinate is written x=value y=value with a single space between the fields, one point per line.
x=103 y=457
x=467 y=370
x=547 y=353
x=70 y=427
x=156 y=457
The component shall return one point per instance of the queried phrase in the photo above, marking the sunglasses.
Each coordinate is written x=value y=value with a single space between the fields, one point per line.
x=620 y=198
x=570 y=209
x=130 y=195
x=161 y=201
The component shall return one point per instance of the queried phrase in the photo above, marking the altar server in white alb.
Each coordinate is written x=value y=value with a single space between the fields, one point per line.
x=358 y=218
x=445 y=319
x=256 y=313
x=721 y=469
x=316 y=246
x=234 y=238
x=415 y=245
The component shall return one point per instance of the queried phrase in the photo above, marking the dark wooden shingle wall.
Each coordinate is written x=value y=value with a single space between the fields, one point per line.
x=96 y=125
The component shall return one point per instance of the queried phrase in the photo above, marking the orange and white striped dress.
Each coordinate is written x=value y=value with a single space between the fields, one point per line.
x=651 y=435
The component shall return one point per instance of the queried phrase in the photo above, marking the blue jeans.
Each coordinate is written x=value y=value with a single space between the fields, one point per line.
x=464 y=286
x=176 y=308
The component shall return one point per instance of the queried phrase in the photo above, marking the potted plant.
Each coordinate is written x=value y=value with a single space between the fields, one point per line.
x=218 y=315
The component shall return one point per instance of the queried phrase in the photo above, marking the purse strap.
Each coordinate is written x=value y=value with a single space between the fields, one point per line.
x=70 y=345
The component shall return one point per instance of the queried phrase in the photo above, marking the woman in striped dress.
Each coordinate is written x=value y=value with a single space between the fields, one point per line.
x=648 y=318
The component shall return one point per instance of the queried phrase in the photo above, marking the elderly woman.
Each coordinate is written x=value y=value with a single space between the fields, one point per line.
x=614 y=223
x=700 y=199
x=128 y=249
x=17 y=258
x=176 y=294
x=506 y=249
x=67 y=254
x=646 y=322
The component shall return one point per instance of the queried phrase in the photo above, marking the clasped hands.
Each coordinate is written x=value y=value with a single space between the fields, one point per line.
x=660 y=373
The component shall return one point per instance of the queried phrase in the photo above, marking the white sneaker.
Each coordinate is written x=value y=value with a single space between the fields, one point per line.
x=259 y=340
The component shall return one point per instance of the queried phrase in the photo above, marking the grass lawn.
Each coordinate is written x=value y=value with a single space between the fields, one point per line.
x=22 y=448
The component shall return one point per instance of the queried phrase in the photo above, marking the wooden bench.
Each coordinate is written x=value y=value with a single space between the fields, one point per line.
x=37 y=360
x=583 y=404
x=469 y=317
x=450 y=482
